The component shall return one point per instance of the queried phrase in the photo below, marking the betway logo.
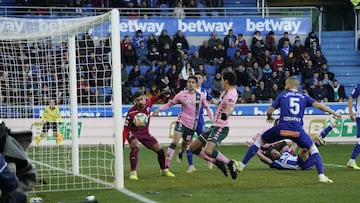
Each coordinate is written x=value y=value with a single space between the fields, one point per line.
x=134 y=25
x=11 y=27
x=15 y=27
x=273 y=25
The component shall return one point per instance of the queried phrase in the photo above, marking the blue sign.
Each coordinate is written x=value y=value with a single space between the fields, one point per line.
x=106 y=111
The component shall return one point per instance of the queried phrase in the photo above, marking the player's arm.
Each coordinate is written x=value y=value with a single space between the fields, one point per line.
x=126 y=129
x=208 y=110
x=325 y=109
x=350 y=106
x=269 y=113
x=264 y=158
x=167 y=105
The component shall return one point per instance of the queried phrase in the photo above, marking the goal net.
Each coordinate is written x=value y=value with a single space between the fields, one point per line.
x=68 y=60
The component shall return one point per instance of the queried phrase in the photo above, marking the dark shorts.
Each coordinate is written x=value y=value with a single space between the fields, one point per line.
x=144 y=138
x=48 y=125
x=217 y=134
x=187 y=133
x=358 y=127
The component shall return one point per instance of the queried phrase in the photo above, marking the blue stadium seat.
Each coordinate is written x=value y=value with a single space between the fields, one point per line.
x=143 y=69
x=211 y=70
x=134 y=89
x=128 y=68
x=240 y=89
x=165 y=10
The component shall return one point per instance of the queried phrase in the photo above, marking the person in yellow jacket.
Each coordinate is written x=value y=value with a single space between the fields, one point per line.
x=50 y=118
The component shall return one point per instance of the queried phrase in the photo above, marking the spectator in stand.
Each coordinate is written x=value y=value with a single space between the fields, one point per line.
x=255 y=74
x=187 y=71
x=206 y=52
x=249 y=60
x=307 y=74
x=216 y=86
x=278 y=63
x=304 y=59
x=152 y=42
x=179 y=11
x=153 y=92
x=229 y=38
x=320 y=93
x=124 y=76
x=318 y=60
x=298 y=49
x=241 y=44
x=284 y=51
x=206 y=84
x=214 y=40
x=149 y=77
x=258 y=51
x=313 y=49
x=242 y=76
x=135 y=78
x=160 y=72
x=257 y=37
x=166 y=54
x=154 y=56
x=270 y=42
x=177 y=55
x=267 y=71
x=231 y=50
x=265 y=59
x=338 y=92
x=172 y=75
x=282 y=41
x=273 y=79
x=202 y=70
x=310 y=39
x=324 y=69
x=291 y=64
x=285 y=75
x=142 y=54
x=129 y=55
x=196 y=60
x=164 y=38
x=237 y=60
x=138 y=38
x=246 y=95
x=220 y=57
x=180 y=83
x=125 y=42
x=262 y=93
x=179 y=37
x=274 y=92
x=325 y=80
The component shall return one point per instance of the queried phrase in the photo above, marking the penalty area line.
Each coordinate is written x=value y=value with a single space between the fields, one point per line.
x=136 y=196
x=335 y=165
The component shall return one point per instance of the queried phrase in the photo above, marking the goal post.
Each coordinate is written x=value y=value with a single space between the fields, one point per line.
x=76 y=62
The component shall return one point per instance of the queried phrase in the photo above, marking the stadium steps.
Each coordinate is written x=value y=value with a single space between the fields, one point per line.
x=343 y=59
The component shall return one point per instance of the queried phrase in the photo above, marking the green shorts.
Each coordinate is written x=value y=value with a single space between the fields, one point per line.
x=216 y=134
x=187 y=133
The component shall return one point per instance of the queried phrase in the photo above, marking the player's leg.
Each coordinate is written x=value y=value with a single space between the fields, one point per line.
x=351 y=163
x=320 y=137
x=172 y=147
x=134 y=152
x=40 y=137
x=58 y=136
x=151 y=143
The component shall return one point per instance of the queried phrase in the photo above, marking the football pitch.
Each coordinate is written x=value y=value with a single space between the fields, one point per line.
x=257 y=183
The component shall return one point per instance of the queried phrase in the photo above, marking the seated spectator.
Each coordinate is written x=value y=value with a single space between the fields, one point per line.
x=237 y=60
x=164 y=39
x=179 y=11
x=246 y=95
x=313 y=49
x=273 y=79
x=320 y=92
x=262 y=93
x=124 y=76
x=160 y=72
x=265 y=59
x=282 y=40
x=274 y=92
x=230 y=51
x=149 y=77
x=324 y=69
x=241 y=44
x=129 y=56
x=229 y=38
x=285 y=49
x=207 y=84
x=242 y=76
x=318 y=60
x=338 y=92
x=255 y=74
x=138 y=38
x=135 y=78
x=214 y=40
x=267 y=71
x=166 y=54
x=257 y=51
x=172 y=75
x=154 y=55
x=278 y=63
x=196 y=60
x=151 y=42
x=187 y=71
x=291 y=64
x=202 y=70
x=257 y=37
x=307 y=74
x=125 y=42
x=179 y=37
x=216 y=86
x=249 y=60
x=298 y=49
x=206 y=52
x=153 y=92
x=325 y=80
x=304 y=59
x=219 y=57
x=270 y=43
x=142 y=54
x=310 y=39
x=180 y=83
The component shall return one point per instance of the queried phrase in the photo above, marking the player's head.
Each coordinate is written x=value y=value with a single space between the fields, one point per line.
x=228 y=79
x=291 y=83
x=199 y=77
x=272 y=153
x=140 y=99
x=192 y=83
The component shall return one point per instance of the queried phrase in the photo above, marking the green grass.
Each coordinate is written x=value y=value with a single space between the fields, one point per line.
x=257 y=183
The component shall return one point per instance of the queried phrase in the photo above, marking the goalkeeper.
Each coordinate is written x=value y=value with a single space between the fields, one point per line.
x=50 y=118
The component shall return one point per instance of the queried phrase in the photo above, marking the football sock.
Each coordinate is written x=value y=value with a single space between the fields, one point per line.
x=356 y=151
x=134 y=158
x=326 y=131
x=189 y=157
x=161 y=158
x=318 y=162
x=250 y=153
x=170 y=154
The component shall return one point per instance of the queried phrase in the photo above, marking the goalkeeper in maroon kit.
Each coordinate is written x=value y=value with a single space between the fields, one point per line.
x=134 y=134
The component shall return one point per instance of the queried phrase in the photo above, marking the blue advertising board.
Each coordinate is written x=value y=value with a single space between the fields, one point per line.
x=106 y=111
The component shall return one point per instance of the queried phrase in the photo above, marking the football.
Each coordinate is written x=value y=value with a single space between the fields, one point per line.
x=140 y=120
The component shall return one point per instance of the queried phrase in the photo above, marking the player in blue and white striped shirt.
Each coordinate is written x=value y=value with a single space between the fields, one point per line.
x=355 y=116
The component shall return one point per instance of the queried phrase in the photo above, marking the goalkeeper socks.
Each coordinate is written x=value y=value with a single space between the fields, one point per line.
x=326 y=131
x=161 y=158
x=134 y=158
x=250 y=153
x=356 y=151
x=318 y=162
x=190 y=157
